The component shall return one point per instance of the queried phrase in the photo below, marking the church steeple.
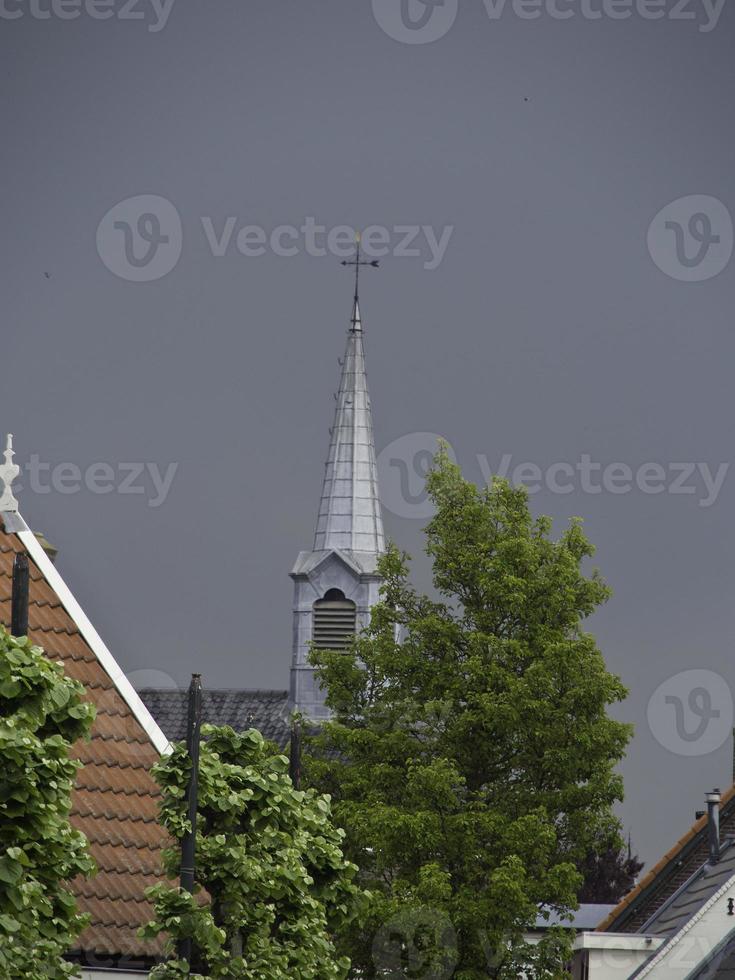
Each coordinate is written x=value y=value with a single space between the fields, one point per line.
x=336 y=584
x=349 y=512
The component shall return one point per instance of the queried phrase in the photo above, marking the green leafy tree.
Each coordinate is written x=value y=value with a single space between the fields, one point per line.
x=609 y=873
x=273 y=882
x=470 y=758
x=42 y=713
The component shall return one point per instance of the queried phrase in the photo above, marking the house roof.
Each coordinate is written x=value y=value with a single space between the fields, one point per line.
x=665 y=878
x=692 y=895
x=268 y=711
x=115 y=800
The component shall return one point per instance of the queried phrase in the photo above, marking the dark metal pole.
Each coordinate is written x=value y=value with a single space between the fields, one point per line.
x=19 y=613
x=713 y=825
x=188 y=844
x=295 y=761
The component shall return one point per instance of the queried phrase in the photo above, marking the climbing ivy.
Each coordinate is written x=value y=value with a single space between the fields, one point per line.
x=272 y=882
x=42 y=713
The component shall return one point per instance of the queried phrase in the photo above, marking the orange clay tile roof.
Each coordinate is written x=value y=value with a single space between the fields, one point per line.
x=115 y=799
x=670 y=873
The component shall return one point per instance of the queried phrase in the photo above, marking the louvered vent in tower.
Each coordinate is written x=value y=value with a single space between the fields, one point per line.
x=335 y=619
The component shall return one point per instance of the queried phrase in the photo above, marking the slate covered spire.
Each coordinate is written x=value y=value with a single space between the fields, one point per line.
x=337 y=583
x=349 y=512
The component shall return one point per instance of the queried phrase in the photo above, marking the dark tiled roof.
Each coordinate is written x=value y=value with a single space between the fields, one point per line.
x=267 y=711
x=674 y=869
x=721 y=964
x=115 y=801
x=703 y=884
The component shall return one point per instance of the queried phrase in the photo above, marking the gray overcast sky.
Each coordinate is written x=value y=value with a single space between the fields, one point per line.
x=546 y=332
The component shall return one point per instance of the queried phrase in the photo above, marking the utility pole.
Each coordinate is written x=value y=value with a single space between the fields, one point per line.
x=295 y=757
x=19 y=602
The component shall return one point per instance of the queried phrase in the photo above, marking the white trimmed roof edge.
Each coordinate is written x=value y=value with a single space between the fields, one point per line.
x=115 y=672
x=672 y=942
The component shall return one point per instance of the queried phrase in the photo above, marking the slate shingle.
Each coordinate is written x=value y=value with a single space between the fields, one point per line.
x=267 y=711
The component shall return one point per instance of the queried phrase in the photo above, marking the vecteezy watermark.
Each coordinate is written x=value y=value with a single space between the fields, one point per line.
x=154 y=13
x=691 y=713
x=403 y=466
x=586 y=475
x=705 y=13
x=398 y=241
x=140 y=239
x=691 y=239
x=424 y=21
x=415 y=21
x=147 y=480
x=419 y=942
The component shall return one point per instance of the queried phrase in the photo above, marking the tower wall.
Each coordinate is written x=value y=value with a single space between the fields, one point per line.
x=331 y=572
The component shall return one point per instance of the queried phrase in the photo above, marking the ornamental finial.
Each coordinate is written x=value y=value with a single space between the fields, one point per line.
x=8 y=472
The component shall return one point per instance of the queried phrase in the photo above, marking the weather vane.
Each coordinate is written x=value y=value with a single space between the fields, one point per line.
x=357 y=262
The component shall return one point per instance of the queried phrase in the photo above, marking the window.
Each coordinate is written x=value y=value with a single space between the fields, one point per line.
x=335 y=620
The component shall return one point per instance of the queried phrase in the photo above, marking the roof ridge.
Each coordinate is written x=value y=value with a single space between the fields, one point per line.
x=217 y=690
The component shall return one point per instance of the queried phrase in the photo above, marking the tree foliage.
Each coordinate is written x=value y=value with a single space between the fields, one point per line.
x=273 y=882
x=42 y=713
x=609 y=873
x=470 y=758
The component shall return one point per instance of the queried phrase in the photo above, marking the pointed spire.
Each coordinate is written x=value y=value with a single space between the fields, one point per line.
x=350 y=518
x=356 y=320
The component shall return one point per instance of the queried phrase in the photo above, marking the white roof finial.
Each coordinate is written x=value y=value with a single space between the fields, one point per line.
x=8 y=472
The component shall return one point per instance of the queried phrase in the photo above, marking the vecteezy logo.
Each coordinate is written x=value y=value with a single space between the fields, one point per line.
x=691 y=713
x=140 y=239
x=403 y=467
x=419 y=942
x=415 y=21
x=691 y=239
